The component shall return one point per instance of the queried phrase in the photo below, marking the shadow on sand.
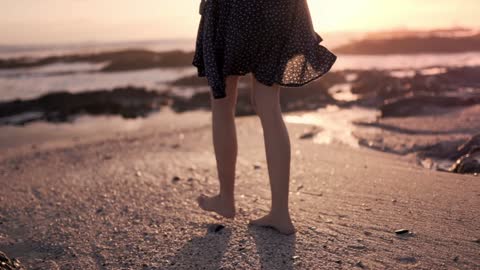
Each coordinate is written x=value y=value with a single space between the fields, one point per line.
x=202 y=252
x=276 y=251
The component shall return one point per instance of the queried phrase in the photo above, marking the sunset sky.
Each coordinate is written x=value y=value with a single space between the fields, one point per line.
x=66 y=21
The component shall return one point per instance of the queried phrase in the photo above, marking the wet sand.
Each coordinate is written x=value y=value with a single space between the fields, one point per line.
x=128 y=202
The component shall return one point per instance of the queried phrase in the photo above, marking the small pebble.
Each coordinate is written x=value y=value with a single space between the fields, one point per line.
x=402 y=231
x=360 y=264
x=175 y=179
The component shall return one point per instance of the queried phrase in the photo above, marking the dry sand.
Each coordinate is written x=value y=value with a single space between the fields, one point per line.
x=128 y=202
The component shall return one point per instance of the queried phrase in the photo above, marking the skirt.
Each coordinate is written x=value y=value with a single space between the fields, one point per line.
x=273 y=40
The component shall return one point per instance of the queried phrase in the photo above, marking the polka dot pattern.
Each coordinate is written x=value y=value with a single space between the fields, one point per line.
x=273 y=40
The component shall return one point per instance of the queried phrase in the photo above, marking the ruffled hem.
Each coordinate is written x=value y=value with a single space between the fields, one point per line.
x=237 y=38
x=222 y=94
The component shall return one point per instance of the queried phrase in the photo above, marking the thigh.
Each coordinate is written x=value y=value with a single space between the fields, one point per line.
x=264 y=95
x=231 y=83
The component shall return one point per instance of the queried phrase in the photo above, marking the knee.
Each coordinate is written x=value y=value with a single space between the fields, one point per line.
x=267 y=102
x=231 y=82
x=226 y=105
x=268 y=113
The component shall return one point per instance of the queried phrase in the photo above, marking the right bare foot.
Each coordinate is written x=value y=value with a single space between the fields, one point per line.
x=218 y=205
x=282 y=224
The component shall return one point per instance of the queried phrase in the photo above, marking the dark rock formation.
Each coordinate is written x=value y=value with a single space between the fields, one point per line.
x=193 y=81
x=129 y=102
x=117 y=60
x=467 y=157
x=469 y=163
x=379 y=88
x=423 y=105
x=309 y=97
x=468 y=147
x=412 y=45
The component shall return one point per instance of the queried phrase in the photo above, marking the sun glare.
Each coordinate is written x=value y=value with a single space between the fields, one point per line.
x=373 y=15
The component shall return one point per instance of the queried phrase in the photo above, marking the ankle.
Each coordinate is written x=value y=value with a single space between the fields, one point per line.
x=227 y=199
x=281 y=213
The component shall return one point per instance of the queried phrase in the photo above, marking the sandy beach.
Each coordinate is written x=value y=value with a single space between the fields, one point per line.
x=104 y=150
x=127 y=201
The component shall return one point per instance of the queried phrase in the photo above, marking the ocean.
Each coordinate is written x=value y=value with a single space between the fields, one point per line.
x=28 y=83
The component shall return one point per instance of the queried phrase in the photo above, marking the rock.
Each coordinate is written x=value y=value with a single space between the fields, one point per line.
x=7 y=263
x=175 y=179
x=469 y=163
x=360 y=264
x=402 y=231
x=468 y=146
x=257 y=166
x=192 y=81
x=129 y=102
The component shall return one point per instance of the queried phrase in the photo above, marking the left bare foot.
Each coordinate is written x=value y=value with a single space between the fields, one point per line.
x=282 y=224
x=218 y=205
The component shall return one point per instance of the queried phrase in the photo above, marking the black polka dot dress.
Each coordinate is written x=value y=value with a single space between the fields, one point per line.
x=272 y=39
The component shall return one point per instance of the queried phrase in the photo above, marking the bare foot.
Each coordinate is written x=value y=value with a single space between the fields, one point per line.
x=281 y=224
x=218 y=205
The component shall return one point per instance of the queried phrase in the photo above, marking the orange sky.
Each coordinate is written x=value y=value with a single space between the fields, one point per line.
x=64 y=21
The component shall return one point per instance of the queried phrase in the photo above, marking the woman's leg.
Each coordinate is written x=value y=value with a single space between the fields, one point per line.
x=277 y=147
x=225 y=146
